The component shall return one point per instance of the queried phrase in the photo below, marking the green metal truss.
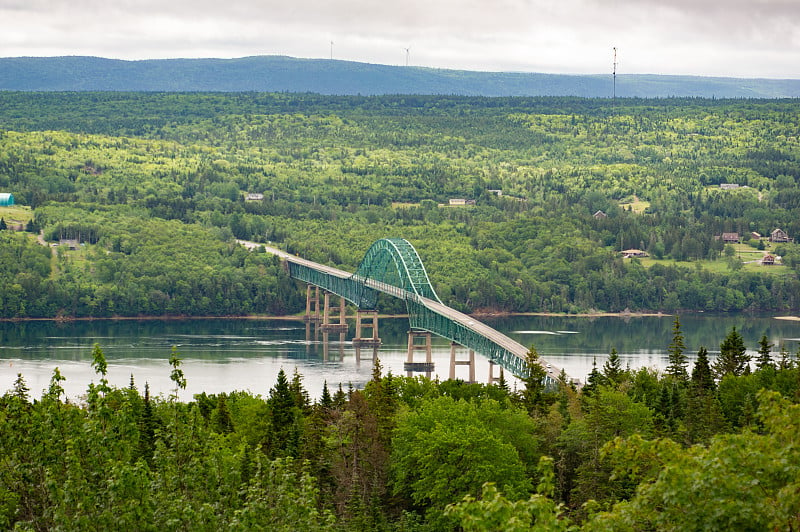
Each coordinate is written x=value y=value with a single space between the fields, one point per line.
x=393 y=266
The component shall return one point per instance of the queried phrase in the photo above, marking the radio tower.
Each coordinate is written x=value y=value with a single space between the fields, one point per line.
x=614 y=74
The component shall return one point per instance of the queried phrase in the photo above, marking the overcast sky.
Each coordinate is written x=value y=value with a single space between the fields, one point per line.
x=739 y=38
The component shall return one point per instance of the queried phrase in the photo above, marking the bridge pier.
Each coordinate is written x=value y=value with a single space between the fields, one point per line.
x=327 y=326
x=410 y=366
x=469 y=362
x=492 y=378
x=312 y=299
x=359 y=340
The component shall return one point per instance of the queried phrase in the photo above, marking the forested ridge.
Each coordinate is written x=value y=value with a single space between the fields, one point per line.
x=153 y=187
x=711 y=447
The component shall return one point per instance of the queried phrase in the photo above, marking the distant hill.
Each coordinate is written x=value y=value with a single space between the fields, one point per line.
x=287 y=74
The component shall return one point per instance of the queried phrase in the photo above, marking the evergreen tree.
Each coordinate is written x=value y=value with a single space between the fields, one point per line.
x=301 y=399
x=764 y=357
x=326 y=401
x=677 y=360
x=147 y=428
x=533 y=392
x=20 y=390
x=702 y=379
x=594 y=379
x=283 y=436
x=3 y=225
x=339 y=398
x=733 y=357
x=221 y=418
x=612 y=369
x=786 y=358
x=502 y=383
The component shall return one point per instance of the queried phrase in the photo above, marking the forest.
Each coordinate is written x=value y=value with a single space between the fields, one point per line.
x=130 y=204
x=154 y=188
x=713 y=447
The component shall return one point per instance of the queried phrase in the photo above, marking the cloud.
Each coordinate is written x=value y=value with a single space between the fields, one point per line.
x=733 y=37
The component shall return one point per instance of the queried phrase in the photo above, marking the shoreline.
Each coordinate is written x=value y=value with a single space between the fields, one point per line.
x=299 y=317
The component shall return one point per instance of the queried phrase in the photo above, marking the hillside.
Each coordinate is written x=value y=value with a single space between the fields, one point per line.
x=287 y=74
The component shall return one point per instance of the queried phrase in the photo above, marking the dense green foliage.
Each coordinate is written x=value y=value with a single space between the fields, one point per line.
x=636 y=451
x=154 y=185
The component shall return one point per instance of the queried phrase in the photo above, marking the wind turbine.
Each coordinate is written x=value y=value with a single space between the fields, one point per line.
x=407 y=52
x=332 y=50
x=614 y=74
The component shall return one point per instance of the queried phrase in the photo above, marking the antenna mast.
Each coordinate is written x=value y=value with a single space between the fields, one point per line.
x=614 y=74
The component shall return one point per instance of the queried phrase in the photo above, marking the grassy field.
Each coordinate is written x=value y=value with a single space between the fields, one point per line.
x=16 y=214
x=746 y=254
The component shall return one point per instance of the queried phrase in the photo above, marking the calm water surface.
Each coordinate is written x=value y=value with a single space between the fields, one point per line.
x=238 y=354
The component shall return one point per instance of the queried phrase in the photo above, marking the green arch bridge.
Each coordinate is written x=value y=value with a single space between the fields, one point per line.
x=392 y=266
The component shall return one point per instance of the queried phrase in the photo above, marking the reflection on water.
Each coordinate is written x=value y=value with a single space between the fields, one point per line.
x=240 y=354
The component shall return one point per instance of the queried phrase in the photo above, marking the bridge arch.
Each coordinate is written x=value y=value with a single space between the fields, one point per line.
x=395 y=262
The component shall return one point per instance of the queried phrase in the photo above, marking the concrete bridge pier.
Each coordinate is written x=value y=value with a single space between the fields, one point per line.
x=312 y=301
x=360 y=340
x=327 y=326
x=469 y=362
x=492 y=378
x=410 y=366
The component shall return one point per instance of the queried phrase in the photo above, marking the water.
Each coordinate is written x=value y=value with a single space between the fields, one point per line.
x=221 y=355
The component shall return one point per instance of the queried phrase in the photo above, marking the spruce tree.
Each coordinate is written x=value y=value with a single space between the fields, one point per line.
x=532 y=394
x=326 y=401
x=594 y=379
x=764 y=357
x=612 y=369
x=733 y=358
x=677 y=360
x=283 y=410
x=702 y=379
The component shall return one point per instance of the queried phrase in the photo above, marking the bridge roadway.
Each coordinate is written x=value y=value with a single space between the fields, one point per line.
x=514 y=347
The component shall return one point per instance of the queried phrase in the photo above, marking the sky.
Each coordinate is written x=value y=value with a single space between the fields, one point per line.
x=732 y=38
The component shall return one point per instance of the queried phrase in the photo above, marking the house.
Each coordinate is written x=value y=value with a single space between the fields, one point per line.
x=728 y=186
x=778 y=235
x=600 y=215
x=768 y=260
x=71 y=243
x=633 y=253
x=454 y=202
x=730 y=238
x=755 y=236
x=496 y=191
x=254 y=196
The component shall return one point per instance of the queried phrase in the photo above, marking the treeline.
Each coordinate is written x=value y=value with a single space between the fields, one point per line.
x=713 y=447
x=337 y=173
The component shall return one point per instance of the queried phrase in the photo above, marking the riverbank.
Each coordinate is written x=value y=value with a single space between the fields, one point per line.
x=301 y=317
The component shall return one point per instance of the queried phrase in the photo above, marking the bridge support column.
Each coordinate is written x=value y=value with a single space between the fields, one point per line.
x=469 y=362
x=410 y=366
x=312 y=299
x=492 y=378
x=359 y=340
x=327 y=326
